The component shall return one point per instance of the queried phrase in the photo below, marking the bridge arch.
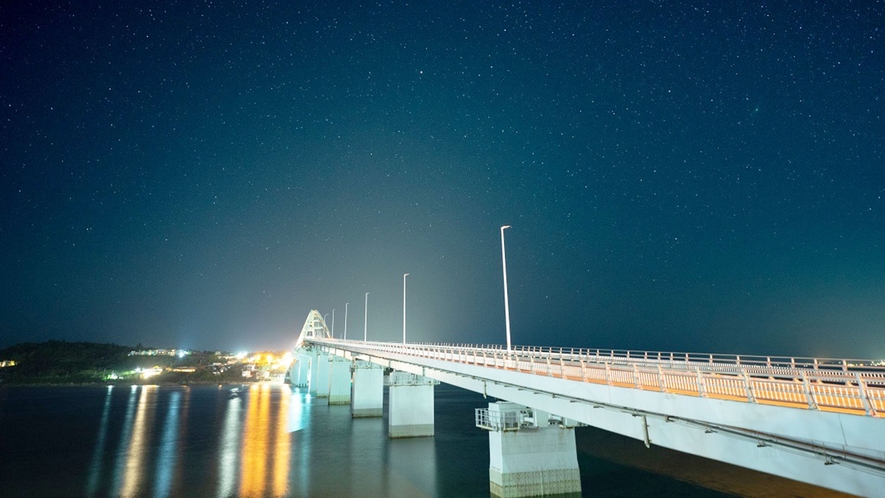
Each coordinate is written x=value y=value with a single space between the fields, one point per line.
x=314 y=328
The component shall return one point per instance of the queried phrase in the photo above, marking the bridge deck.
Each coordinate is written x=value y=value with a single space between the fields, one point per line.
x=842 y=386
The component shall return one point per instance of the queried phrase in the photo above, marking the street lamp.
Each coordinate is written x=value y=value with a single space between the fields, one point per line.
x=345 y=321
x=506 y=300
x=404 y=307
x=366 y=318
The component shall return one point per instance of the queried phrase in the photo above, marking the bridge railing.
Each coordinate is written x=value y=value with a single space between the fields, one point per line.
x=853 y=386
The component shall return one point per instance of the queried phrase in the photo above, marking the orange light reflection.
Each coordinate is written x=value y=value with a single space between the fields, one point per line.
x=138 y=443
x=281 y=456
x=253 y=472
x=265 y=439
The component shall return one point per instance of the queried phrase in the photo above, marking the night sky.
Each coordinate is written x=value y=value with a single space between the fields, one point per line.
x=679 y=176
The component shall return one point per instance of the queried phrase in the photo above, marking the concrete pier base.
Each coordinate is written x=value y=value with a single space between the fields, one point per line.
x=411 y=405
x=368 y=390
x=319 y=375
x=527 y=455
x=299 y=373
x=339 y=381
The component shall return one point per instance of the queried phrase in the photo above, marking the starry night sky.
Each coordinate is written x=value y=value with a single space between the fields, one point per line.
x=679 y=176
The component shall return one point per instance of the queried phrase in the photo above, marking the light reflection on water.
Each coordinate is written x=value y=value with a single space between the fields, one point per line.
x=98 y=453
x=138 y=443
x=252 y=455
x=168 y=449
x=229 y=448
x=282 y=447
x=267 y=441
x=122 y=453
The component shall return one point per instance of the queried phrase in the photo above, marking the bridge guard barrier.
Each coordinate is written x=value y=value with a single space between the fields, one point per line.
x=339 y=381
x=527 y=455
x=368 y=390
x=411 y=405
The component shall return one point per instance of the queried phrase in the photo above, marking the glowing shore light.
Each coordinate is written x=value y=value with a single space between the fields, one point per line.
x=147 y=373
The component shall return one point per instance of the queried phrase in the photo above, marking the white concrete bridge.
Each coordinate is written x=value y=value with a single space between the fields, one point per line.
x=813 y=420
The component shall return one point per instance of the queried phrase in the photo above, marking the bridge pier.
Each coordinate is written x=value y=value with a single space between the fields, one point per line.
x=339 y=381
x=299 y=374
x=368 y=390
x=529 y=456
x=319 y=375
x=411 y=405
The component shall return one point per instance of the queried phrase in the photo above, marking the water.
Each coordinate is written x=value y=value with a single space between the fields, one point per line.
x=270 y=441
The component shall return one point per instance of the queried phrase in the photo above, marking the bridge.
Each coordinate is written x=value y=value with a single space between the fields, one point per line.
x=816 y=421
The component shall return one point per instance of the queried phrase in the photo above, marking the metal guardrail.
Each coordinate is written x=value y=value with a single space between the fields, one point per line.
x=849 y=386
x=493 y=420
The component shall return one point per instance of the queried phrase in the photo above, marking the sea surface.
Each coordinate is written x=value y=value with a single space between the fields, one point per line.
x=271 y=440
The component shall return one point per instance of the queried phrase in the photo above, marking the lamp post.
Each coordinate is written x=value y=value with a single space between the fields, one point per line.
x=333 y=323
x=366 y=318
x=404 y=307
x=345 y=321
x=506 y=300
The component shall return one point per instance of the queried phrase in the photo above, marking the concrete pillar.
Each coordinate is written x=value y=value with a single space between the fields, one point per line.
x=319 y=375
x=411 y=405
x=339 y=381
x=527 y=455
x=299 y=374
x=368 y=390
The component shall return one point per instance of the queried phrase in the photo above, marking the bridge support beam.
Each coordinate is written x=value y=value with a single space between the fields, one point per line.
x=527 y=455
x=339 y=381
x=368 y=390
x=319 y=375
x=411 y=405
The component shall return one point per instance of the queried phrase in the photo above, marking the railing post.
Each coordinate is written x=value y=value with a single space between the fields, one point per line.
x=561 y=367
x=809 y=396
x=548 y=366
x=532 y=362
x=661 y=381
x=702 y=387
x=636 y=380
x=864 y=396
x=751 y=398
x=583 y=371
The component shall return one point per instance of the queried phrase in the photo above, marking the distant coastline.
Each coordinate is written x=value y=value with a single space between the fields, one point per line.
x=61 y=363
